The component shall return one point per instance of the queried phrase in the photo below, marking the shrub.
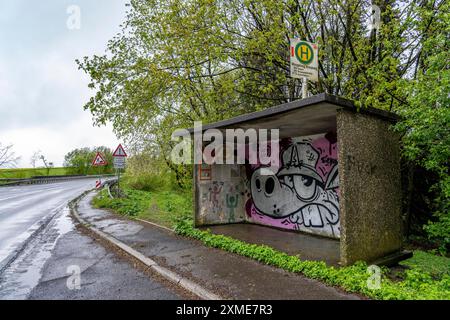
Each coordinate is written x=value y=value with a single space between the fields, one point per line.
x=147 y=182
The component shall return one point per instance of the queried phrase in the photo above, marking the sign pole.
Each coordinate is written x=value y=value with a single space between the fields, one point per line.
x=304 y=88
x=118 y=182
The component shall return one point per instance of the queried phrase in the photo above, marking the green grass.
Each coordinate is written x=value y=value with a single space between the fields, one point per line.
x=436 y=266
x=162 y=207
x=427 y=276
x=31 y=172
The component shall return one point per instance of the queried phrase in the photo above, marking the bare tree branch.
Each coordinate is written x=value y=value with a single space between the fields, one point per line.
x=7 y=156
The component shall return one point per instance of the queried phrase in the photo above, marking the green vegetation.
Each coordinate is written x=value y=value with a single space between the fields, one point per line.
x=427 y=276
x=151 y=192
x=80 y=160
x=417 y=283
x=25 y=173
x=162 y=207
x=436 y=266
x=31 y=172
x=232 y=58
x=426 y=121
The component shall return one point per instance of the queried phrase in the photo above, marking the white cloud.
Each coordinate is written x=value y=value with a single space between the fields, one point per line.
x=54 y=144
x=42 y=92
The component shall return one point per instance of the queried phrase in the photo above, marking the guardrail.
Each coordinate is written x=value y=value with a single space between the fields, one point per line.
x=47 y=179
x=108 y=184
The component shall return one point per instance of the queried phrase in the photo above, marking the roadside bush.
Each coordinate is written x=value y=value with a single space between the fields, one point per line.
x=126 y=206
x=148 y=172
x=439 y=232
x=147 y=182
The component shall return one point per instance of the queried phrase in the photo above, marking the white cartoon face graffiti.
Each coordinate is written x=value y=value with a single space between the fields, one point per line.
x=272 y=197
x=297 y=192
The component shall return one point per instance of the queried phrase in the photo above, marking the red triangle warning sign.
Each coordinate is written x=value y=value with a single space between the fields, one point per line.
x=99 y=160
x=120 y=152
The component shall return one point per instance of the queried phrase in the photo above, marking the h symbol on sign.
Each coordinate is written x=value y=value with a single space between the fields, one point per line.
x=304 y=51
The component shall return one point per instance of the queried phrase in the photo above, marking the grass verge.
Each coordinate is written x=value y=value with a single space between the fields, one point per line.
x=25 y=173
x=162 y=207
x=30 y=172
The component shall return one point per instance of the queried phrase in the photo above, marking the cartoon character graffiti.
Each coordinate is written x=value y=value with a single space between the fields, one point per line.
x=215 y=191
x=232 y=202
x=298 y=193
x=221 y=202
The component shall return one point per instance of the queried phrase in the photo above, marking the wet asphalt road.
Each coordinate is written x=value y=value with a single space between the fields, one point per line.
x=23 y=209
x=41 y=251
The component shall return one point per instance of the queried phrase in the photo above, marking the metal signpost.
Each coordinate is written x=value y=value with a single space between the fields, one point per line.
x=304 y=62
x=119 y=157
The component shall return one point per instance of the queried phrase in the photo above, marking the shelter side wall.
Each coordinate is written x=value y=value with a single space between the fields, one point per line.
x=369 y=170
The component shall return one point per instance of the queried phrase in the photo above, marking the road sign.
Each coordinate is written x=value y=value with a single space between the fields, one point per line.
x=98 y=184
x=99 y=160
x=119 y=162
x=120 y=152
x=304 y=60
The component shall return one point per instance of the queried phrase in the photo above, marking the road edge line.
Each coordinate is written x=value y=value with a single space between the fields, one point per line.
x=43 y=223
x=179 y=280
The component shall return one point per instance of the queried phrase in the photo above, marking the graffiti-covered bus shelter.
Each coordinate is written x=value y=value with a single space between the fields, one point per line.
x=336 y=187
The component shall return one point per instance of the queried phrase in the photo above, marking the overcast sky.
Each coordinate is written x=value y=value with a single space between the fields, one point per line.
x=42 y=92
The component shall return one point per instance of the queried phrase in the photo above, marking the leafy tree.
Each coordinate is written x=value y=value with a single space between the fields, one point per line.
x=179 y=61
x=81 y=160
x=426 y=124
x=176 y=61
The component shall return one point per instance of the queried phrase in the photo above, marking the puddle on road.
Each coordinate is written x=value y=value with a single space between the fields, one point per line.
x=17 y=281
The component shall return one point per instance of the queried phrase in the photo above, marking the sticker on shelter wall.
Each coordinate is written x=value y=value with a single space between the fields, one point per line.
x=205 y=172
x=235 y=171
x=303 y=192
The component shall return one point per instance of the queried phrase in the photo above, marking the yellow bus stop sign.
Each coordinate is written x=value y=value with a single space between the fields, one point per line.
x=304 y=60
x=304 y=53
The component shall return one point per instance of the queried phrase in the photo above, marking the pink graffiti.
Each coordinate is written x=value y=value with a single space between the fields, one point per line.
x=328 y=151
x=328 y=156
x=256 y=217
